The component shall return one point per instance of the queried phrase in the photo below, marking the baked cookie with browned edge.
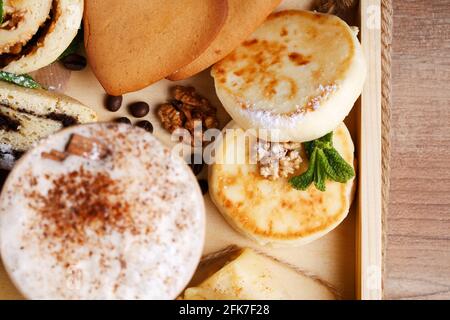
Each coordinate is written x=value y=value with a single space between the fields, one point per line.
x=243 y=18
x=133 y=44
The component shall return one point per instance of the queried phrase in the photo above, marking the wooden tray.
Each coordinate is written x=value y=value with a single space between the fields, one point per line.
x=350 y=257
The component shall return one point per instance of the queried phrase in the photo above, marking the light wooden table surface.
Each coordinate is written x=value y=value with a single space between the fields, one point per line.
x=418 y=248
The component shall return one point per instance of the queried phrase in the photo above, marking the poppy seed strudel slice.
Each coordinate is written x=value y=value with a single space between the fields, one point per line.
x=28 y=115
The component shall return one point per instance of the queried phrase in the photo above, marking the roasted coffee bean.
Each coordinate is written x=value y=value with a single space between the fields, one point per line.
x=146 y=125
x=196 y=167
x=203 y=185
x=139 y=109
x=123 y=120
x=74 y=62
x=113 y=103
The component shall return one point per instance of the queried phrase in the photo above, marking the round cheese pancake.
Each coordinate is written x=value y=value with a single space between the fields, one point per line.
x=119 y=218
x=272 y=211
x=298 y=75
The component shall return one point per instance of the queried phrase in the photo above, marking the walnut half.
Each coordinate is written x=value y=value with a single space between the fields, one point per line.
x=187 y=110
x=170 y=117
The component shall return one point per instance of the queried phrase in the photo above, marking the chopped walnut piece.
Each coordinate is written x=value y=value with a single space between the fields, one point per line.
x=188 y=110
x=276 y=160
x=171 y=118
x=211 y=122
x=187 y=95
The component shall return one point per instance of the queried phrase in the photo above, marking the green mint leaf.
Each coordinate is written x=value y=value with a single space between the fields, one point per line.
x=328 y=138
x=22 y=80
x=303 y=181
x=309 y=147
x=320 y=174
x=330 y=171
x=341 y=170
x=1 y=11
x=325 y=162
x=324 y=142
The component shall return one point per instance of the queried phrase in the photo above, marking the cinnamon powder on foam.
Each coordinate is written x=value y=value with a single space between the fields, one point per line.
x=81 y=200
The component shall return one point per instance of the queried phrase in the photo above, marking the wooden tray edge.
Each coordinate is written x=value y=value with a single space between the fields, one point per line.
x=369 y=211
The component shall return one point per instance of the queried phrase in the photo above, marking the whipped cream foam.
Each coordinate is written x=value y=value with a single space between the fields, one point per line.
x=127 y=226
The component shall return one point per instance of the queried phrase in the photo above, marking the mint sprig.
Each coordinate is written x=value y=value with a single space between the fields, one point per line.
x=22 y=80
x=303 y=181
x=325 y=162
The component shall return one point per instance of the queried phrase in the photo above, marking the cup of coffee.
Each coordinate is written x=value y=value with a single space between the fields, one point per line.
x=101 y=211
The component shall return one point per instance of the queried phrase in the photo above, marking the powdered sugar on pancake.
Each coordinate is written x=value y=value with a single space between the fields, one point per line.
x=130 y=226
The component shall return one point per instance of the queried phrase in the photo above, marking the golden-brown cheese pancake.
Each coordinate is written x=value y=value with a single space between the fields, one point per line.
x=243 y=18
x=272 y=212
x=299 y=74
x=132 y=44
